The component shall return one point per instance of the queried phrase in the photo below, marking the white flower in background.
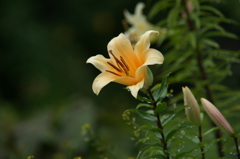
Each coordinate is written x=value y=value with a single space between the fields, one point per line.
x=139 y=25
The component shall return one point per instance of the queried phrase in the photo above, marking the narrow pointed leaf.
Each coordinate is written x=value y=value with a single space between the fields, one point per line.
x=160 y=108
x=212 y=9
x=157 y=156
x=210 y=130
x=150 y=76
x=161 y=92
x=146 y=116
x=173 y=132
x=148 y=146
x=180 y=155
x=144 y=105
x=144 y=99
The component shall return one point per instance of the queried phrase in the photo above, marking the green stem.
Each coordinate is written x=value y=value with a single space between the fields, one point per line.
x=235 y=138
x=159 y=123
x=204 y=77
x=200 y=140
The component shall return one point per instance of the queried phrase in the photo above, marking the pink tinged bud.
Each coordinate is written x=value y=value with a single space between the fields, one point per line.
x=193 y=112
x=217 y=117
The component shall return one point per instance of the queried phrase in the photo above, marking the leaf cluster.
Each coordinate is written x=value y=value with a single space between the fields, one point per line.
x=196 y=59
x=193 y=53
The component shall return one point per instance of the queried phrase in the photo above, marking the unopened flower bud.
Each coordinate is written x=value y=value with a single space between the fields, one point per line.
x=217 y=117
x=193 y=112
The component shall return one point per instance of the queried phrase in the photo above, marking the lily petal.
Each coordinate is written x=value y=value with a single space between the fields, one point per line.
x=135 y=88
x=143 y=43
x=138 y=9
x=102 y=80
x=152 y=57
x=121 y=46
x=141 y=73
x=100 y=62
x=126 y=81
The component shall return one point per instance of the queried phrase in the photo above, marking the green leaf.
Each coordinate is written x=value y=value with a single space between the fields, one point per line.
x=157 y=131
x=146 y=116
x=143 y=114
x=144 y=99
x=156 y=87
x=209 y=145
x=210 y=43
x=159 y=6
x=158 y=135
x=184 y=153
x=192 y=39
x=212 y=10
x=210 y=130
x=150 y=139
x=191 y=136
x=196 y=19
x=157 y=156
x=220 y=34
x=143 y=105
x=150 y=76
x=228 y=55
x=146 y=127
x=229 y=151
x=214 y=19
x=168 y=119
x=173 y=121
x=196 y=4
x=172 y=16
x=148 y=146
x=160 y=93
x=173 y=132
x=160 y=108
x=210 y=26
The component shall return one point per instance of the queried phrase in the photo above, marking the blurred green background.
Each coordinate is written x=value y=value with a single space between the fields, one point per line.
x=45 y=83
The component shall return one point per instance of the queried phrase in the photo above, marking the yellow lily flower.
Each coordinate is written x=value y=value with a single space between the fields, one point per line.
x=127 y=65
x=139 y=24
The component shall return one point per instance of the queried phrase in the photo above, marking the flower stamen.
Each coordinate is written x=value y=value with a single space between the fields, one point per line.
x=113 y=73
x=124 y=62
x=115 y=67
x=122 y=66
x=119 y=64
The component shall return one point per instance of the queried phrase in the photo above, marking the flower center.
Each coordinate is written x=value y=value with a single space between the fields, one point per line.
x=121 y=67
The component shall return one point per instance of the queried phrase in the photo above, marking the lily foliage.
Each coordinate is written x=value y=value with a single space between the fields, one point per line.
x=195 y=59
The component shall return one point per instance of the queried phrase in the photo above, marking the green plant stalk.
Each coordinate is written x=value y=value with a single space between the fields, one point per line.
x=159 y=123
x=235 y=138
x=204 y=77
x=200 y=140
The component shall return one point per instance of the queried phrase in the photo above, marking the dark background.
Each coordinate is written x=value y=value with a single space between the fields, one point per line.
x=45 y=84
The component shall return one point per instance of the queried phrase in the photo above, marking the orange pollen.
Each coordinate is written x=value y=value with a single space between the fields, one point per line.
x=122 y=66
